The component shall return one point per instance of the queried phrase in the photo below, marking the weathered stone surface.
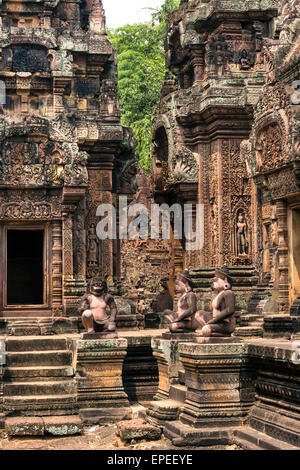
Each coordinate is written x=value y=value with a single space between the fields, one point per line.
x=162 y=411
x=212 y=376
x=63 y=425
x=166 y=353
x=140 y=370
x=225 y=135
x=214 y=402
x=277 y=390
x=137 y=429
x=39 y=379
x=99 y=368
x=103 y=416
x=64 y=152
x=202 y=340
x=97 y=336
x=22 y=426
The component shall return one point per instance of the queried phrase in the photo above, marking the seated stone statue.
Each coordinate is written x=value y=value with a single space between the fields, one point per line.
x=98 y=308
x=184 y=319
x=221 y=322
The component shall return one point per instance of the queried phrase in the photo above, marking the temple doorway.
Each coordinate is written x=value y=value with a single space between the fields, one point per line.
x=25 y=260
x=25 y=270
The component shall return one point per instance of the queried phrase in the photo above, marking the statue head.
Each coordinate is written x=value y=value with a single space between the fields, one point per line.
x=222 y=280
x=183 y=282
x=97 y=286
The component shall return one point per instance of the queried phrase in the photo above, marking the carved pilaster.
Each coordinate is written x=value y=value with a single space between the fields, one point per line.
x=283 y=264
x=56 y=267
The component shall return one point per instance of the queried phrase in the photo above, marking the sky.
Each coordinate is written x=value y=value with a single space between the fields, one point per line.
x=120 y=12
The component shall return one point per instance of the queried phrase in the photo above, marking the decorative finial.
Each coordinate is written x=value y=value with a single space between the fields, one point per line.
x=97 y=18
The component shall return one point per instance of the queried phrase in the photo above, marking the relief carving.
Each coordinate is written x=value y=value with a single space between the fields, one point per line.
x=185 y=166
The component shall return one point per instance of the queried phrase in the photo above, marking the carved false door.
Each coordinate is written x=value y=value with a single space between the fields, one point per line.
x=25 y=270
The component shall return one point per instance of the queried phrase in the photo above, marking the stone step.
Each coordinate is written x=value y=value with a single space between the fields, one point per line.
x=181 y=376
x=36 y=344
x=40 y=388
x=33 y=405
x=38 y=373
x=250 y=437
x=161 y=411
x=39 y=426
x=251 y=317
x=248 y=331
x=40 y=358
x=178 y=393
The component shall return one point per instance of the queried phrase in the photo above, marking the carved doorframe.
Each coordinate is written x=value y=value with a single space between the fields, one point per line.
x=26 y=310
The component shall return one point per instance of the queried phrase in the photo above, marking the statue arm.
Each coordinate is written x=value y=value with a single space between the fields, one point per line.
x=228 y=311
x=191 y=310
x=84 y=304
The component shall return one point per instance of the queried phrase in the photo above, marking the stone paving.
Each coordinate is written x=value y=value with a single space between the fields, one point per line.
x=94 y=438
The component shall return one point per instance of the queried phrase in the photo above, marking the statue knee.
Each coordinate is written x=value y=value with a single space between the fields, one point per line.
x=206 y=331
x=87 y=314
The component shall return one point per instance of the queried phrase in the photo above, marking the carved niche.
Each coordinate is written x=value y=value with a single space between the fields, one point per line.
x=26 y=58
x=241 y=235
x=241 y=229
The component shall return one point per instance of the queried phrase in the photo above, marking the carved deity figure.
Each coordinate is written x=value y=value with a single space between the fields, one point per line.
x=221 y=322
x=92 y=248
x=184 y=319
x=242 y=241
x=245 y=60
x=98 y=308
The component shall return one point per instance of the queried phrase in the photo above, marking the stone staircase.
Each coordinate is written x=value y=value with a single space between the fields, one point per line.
x=29 y=326
x=161 y=411
x=39 y=383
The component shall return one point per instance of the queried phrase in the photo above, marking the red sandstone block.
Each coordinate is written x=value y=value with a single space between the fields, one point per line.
x=23 y=426
x=63 y=425
x=137 y=429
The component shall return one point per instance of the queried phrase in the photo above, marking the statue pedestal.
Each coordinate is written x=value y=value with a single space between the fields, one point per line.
x=179 y=336
x=99 y=336
x=99 y=367
x=166 y=352
x=226 y=340
x=213 y=404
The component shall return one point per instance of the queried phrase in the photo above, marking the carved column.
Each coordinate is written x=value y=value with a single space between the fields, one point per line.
x=67 y=238
x=56 y=268
x=198 y=66
x=283 y=251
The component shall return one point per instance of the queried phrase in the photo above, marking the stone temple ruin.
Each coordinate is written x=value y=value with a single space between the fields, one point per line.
x=226 y=134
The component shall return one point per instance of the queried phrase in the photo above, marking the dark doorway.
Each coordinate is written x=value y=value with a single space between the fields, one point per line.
x=25 y=267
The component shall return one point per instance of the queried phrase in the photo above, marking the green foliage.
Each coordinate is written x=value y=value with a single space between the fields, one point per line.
x=141 y=59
